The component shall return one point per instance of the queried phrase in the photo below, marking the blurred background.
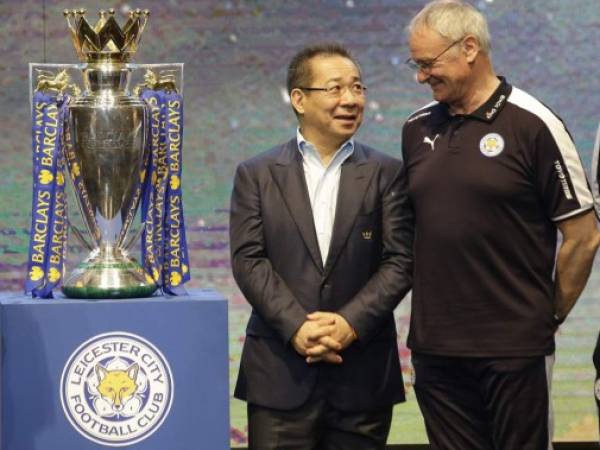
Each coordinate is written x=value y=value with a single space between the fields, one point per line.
x=235 y=55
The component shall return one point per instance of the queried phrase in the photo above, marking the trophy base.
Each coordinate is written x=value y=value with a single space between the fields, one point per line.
x=95 y=293
x=115 y=279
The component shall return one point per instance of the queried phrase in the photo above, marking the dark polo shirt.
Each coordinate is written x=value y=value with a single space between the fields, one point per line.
x=487 y=190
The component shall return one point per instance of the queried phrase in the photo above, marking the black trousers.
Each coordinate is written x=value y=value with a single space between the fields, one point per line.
x=317 y=426
x=484 y=403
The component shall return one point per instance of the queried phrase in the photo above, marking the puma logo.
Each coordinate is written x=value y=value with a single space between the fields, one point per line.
x=427 y=140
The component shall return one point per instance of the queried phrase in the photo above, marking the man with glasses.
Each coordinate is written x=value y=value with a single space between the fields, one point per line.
x=493 y=175
x=321 y=247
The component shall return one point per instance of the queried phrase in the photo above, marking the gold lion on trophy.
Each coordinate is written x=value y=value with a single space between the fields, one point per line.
x=164 y=81
x=59 y=83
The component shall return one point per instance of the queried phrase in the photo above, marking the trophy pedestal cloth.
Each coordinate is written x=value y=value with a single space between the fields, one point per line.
x=163 y=345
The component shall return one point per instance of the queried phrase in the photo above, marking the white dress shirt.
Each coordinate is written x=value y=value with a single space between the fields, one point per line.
x=323 y=183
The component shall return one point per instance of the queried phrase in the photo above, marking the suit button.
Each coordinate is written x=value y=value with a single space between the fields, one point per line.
x=327 y=285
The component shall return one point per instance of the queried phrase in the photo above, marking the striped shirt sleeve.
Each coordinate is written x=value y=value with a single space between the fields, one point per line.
x=559 y=174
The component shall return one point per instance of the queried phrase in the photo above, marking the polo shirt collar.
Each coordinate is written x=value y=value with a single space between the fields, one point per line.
x=490 y=109
x=486 y=112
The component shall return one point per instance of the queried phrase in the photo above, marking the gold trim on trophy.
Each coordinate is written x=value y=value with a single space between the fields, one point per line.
x=165 y=81
x=48 y=81
x=106 y=41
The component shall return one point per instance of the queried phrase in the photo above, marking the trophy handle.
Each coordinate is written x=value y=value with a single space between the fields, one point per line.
x=80 y=237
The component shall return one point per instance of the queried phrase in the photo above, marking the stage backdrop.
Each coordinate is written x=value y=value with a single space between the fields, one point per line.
x=235 y=54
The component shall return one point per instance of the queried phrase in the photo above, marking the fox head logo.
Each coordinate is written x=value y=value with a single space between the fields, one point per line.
x=117 y=387
x=491 y=145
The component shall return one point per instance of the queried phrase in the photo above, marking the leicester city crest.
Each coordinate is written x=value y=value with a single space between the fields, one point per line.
x=491 y=145
x=116 y=389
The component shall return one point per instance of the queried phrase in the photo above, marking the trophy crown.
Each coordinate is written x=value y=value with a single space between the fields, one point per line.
x=106 y=40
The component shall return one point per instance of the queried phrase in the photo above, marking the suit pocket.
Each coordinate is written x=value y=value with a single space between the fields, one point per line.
x=367 y=227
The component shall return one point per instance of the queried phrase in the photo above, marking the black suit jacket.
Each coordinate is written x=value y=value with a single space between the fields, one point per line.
x=277 y=265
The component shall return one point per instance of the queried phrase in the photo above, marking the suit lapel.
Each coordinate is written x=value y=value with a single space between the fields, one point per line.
x=289 y=177
x=356 y=175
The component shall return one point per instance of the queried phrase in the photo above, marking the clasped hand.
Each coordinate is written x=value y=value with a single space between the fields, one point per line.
x=322 y=336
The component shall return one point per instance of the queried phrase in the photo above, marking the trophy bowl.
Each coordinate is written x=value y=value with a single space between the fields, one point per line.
x=106 y=159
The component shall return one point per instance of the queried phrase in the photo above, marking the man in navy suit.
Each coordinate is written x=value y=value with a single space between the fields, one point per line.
x=321 y=247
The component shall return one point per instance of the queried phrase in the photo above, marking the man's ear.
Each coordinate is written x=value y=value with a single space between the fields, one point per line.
x=297 y=99
x=470 y=47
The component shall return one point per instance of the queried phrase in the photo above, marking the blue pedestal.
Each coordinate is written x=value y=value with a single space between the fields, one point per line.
x=140 y=374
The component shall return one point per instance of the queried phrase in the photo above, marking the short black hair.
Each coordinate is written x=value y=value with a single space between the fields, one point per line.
x=299 y=75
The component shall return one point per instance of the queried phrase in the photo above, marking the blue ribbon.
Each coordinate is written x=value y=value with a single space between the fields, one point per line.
x=48 y=233
x=154 y=188
x=164 y=243
x=176 y=264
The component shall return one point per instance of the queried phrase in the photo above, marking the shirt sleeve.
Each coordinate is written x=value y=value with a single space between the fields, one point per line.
x=559 y=174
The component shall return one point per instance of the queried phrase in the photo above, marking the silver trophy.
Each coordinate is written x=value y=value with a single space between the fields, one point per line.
x=105 y=154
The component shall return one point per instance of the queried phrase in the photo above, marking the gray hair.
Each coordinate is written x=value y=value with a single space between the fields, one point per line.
x=453 y=19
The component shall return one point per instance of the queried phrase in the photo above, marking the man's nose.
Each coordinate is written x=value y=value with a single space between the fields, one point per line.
x=422 y=76
x=348 y=97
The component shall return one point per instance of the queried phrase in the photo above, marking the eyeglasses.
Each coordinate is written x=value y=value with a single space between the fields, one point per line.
x=337 y=90
x=426 y=66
